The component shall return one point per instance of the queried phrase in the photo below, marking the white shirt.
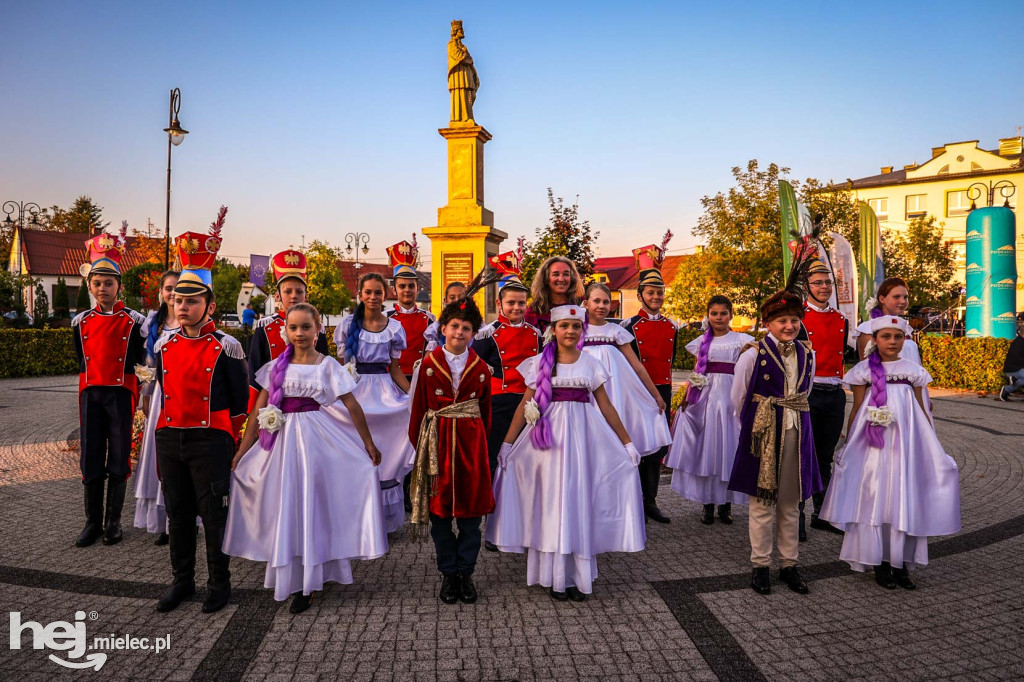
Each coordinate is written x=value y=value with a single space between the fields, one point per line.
x=457 y=364
x=413 y=309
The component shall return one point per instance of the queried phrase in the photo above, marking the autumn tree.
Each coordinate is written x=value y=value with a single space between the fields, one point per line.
x=686 y=297
x=919 y=255
x=325 y=288
x=565 y=235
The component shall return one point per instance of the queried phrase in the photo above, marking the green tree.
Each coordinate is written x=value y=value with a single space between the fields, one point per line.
x=565 y=235
x=83 y=216
x=133 y=282
x=920 y=256
x=686 y=297
x=10 y=286
x=227 y=282
x=61 y=302
x=83 y=302
x=42 y=304
x=325 y=289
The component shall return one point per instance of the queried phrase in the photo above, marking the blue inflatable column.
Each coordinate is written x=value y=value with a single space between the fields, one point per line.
x=991 y=273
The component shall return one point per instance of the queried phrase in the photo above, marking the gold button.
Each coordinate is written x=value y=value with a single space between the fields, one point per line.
x=203 y=422
x=205 y=398
x=208 y=369
x=168 y=419
x=767 y=377
x=764 y=362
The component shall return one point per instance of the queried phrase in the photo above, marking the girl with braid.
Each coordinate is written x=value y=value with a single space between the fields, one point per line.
x=305 y=498
x=893 y=485
x=567 y=488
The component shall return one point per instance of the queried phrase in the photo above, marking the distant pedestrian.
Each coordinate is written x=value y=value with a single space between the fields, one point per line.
x=1013 y=366
x=248 y=318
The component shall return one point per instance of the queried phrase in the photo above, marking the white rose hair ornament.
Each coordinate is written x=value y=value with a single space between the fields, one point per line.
x=879 y=415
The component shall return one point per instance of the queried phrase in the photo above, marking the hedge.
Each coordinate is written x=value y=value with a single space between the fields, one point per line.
x=37 y=353
x=960 y=362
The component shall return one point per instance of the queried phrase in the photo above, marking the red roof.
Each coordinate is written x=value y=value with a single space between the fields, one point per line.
x=350 y=274
x=620 y=277
x=63 y=253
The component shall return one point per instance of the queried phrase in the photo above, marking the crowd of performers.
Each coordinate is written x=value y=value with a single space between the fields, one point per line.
x=543 y=432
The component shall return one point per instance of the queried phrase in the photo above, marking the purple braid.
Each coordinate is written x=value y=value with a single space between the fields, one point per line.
x=879 y=398
x=276 y=391
x=583 y=334
x=876 y=312
x=540 y=436
x=693 y=393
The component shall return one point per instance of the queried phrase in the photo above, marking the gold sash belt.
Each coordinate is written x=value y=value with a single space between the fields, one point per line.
x=762 y=442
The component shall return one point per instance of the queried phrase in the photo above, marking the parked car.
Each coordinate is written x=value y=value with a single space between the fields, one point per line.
x=230 y=321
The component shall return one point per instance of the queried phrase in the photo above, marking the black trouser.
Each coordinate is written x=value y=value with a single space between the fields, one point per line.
x=195 y=469
x=456 y=553
x=828 y=410
x=650 y=466
x=503 y=408
x=106 y=419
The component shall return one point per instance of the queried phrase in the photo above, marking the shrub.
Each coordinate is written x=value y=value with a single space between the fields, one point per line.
x=36 y=353
x=61 y=302
x=83 y=302
x=972 y=364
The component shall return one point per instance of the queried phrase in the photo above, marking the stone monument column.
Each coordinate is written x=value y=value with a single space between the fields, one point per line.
x=464 y=238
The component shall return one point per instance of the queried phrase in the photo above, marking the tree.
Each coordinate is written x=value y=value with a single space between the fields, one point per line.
x=325 y=289
x=922 y=259
x=61 y=302
x=83 y=216
x=566 y=235
x=837 y=210
x=83 y=302
x=10 y=286
x=141 y=286
x=227 y=282
x=149 y=249
x=686 y=297
x=42 y=303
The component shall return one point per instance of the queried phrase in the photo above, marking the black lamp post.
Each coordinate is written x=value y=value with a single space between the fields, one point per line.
x=1005 y=188
x=357 y=241
x=175 y=136
x=21 y=208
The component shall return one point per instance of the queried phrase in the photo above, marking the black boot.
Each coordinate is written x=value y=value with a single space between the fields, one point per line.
x=574 y=593
x=116 y=486
x=467 y=590
x=652 y=512
x=300 y=602
x=93 y=515
x=183 y=565
x=903 y=579
x=884 y=577
x=761 y=582
x=558 y=596
x=725 y=513
x=449 y=593
x=791 y=577
x=218 y=566
x=175 y=594
x=709 y=515
x=161 y=540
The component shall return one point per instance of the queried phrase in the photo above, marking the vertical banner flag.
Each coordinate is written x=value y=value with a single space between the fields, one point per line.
x=789 y=224
x=844 y=269
x=872 y=272
x=258 y=266
x=991 y=273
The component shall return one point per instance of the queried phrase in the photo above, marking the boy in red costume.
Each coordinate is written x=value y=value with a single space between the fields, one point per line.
x=414 y=320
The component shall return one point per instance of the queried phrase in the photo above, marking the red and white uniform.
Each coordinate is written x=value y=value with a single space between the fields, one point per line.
x=109 y=345
x=827 y=330
x=655 y=344
x=415 y=322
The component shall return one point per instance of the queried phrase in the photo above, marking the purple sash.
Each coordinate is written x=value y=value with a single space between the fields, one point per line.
x=906 y=382
x=721 y=368
x=574 y=395
x=372 y=367
x=292 y=405
x=598 y=342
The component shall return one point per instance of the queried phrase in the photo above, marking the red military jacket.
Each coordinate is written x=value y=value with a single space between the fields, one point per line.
x=827 y=330
x=415 y=324
x=503 y=347
x=655 y=344
x=464 y=478
x=267 y=343
x=108 y=346
x=203 y=380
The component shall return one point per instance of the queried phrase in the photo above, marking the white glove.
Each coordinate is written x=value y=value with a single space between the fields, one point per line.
x=503 y=454
x=634 y=456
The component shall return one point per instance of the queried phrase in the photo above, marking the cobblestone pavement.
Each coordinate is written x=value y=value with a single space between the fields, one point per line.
x=679 y=610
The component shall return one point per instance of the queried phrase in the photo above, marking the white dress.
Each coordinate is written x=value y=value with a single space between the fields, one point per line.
x=889 y=500
x=386 y=408
x=911 y=351
x=626 y=391
x=582 y=497
x=311 y=504
x=705 y=435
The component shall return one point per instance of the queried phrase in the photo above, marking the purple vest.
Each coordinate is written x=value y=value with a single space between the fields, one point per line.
x=769 y=379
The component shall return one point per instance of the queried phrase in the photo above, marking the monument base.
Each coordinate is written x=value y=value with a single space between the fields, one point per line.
x=457 y=254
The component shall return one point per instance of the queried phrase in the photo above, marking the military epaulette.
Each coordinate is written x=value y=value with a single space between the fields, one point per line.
x=139 y=318
x=162 y=341
x=264 y=321
x=78 y=318
x=487 y=331
x=232 y=347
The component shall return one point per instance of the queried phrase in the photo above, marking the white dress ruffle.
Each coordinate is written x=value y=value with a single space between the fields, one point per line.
x=311 y=504
x=911 y=351
x=566 y=505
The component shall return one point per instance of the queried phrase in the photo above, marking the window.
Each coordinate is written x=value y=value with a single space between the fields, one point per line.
x=944 y=170
x=880 y=207
x=957 y=203
x=917 y=206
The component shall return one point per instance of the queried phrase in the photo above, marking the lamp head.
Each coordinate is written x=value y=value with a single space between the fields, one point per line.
x=176 y=132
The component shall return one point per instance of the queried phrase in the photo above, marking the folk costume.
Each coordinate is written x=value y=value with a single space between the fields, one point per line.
x=415 y=320
x=108 y=347
x=309 y=504
x=205 y=391
x=565 y=504
x=504 y=346
x=385 y=405
x=706 y=433
x=655 y=344
x=895 y=487
x=911 y=351
x=268 y=332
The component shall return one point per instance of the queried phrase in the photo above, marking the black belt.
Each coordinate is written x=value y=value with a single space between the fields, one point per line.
x=818 y=386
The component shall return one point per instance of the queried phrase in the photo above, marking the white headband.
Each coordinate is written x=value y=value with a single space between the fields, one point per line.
x=889 y=322
x=567 y=312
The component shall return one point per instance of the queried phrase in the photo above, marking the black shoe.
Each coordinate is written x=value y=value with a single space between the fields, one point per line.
x=115 y=502
x=709 y=515
x=802 y=533
x=467 y=591
x=725 y=513
x=822 y=524
x=574 y=594
x=884 y=576
x=162 y=539
x=216 y=599
x=762 y=581
x=791 y=577
x=1002 y=396
x=653 y=512
x=490 y=546
x=93 y=515
x=300 y=602
x=903 y=579
x=175 y=594
x=449 y=589
x=558 y=596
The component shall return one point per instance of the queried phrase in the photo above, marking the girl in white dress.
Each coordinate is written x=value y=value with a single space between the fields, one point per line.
x=372 y=343
x=629 y=386
x=149 y=494
x=567 y=488
x=305 y=499
x=893 y=485
x=705 y=433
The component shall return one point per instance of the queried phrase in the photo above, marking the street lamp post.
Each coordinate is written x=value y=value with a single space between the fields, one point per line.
x=21 y=208
x=1005 y=188
x=357 y=241
x=175 y=136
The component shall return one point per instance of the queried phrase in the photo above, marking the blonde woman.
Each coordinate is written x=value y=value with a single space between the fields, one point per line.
x=556 y=283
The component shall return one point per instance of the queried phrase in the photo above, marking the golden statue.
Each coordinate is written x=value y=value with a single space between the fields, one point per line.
x=463 y=81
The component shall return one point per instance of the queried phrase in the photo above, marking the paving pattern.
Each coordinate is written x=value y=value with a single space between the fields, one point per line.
x=679 y=610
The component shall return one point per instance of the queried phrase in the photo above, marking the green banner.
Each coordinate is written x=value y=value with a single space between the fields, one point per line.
x=790 y=224
x=869 y=258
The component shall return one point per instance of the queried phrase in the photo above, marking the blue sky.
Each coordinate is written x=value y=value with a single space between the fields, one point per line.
x=318 y=119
